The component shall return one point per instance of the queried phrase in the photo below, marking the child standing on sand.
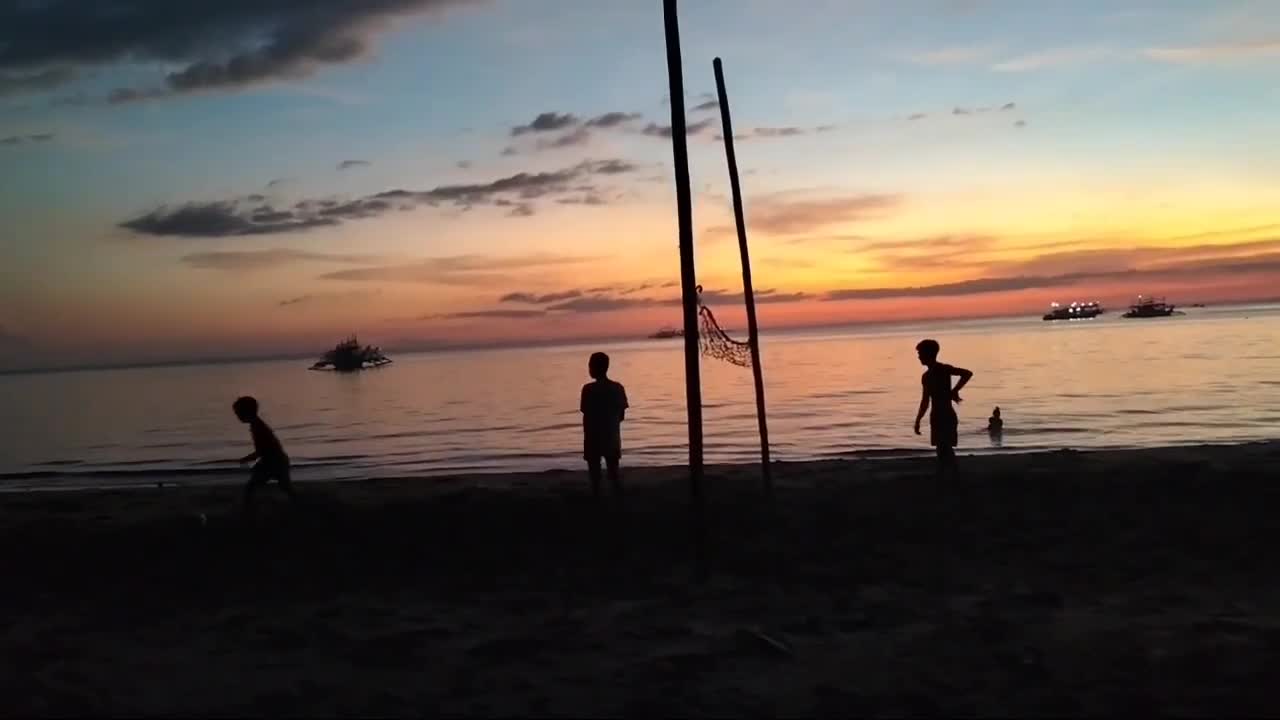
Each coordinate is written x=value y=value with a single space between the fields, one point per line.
x=936 y=390
x=604 y=407
x=267 y=450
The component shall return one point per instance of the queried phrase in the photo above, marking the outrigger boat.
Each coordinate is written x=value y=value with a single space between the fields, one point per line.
x=349 y=356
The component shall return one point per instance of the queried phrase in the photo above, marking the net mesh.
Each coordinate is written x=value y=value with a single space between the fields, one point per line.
x=716 y=343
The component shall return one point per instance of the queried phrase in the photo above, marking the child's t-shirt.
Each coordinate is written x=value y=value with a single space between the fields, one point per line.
x=265 y=442
x=604 y=405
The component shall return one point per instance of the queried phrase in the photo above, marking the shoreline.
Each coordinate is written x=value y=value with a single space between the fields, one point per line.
x=179 y=479
x=173 y=479
x=1063 y=583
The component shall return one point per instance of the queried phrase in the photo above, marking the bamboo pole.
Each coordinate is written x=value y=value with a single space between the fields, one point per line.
x=688 y=283
x=748 y=290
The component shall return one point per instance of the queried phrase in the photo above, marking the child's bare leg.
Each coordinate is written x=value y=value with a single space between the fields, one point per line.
x=593 y=470
x=257 y=477
x=286 y=484
x=615 y=475
x=946 y=462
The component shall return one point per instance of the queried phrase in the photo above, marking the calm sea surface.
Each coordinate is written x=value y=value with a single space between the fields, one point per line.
x=1212 y=375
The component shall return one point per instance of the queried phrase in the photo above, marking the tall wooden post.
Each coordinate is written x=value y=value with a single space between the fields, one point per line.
x=688 y=281
x=748 y=291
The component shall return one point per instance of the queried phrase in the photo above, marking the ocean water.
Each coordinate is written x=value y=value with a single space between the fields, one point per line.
x=1212 y=375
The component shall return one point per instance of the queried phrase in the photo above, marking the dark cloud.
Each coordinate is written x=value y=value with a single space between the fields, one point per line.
x=608 y=303
x=573 y=138
x=348 y=164
x=960 y=111
x=488 y=314
x=509 y=151
x=917 y=116
x=535 y=299
x=518 y=187
x=463 y=164
x=707 y=105
x=465 y=270
x=1020 y=123
x=590 y=198
x=769 y=132
x=1008 y=106
x=232 y=218
x=16 y=82
x=547 y=122
x=21 y=139
x=329 y=297
x=613 y=302
x=216 y=45
x=246 y=260
x=217 y=219
x=1197 y=266
x=664 y=131
x=612 y=119
x=277 y=182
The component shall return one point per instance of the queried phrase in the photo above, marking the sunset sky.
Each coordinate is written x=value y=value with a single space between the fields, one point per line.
x=240 y=177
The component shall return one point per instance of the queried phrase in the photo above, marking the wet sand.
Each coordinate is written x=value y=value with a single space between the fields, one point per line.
x=1080 y=583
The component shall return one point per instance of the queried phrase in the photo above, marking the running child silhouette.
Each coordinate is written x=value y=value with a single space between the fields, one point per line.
x=936 y=392
x=267 y=450
x=604 y=407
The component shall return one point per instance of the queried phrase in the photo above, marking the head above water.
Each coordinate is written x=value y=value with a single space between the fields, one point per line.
x=996 y=413
x=245 y=408
x=598 y=365
x=928 y=350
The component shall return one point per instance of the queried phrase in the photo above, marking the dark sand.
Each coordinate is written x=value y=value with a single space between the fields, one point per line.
x=1080 y=583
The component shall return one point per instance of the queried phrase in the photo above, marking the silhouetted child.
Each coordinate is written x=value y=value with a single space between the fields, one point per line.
x=604 y=406
x=936 y=391
x=267 y=450
x=995 y=427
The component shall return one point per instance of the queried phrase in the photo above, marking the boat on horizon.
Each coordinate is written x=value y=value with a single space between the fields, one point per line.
x=666 y=333
x=1150 y=307
x=1074 y=311
x=350 y=356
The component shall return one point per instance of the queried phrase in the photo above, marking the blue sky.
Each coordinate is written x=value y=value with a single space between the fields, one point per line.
x=874 y=134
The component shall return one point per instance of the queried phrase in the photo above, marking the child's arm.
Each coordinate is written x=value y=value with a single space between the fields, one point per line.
x=965 y=377
x=924 y=405
x=622 y=409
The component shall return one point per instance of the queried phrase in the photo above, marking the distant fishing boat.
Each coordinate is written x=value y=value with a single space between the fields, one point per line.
x=1149 y=307
x=349 y=356
x=667 y=333
x=1074 y=311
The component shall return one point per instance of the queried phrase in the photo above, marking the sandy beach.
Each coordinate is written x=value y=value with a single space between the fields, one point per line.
x=1065 y=582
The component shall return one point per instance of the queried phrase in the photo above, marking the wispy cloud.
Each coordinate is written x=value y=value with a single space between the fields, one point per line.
x=957 y=55
x=24 y=139
x=499 y=314
x=326 y=298
x=248 y=260
x=465 y=270
x=1241 y=50
x=1058 y=57
x=249 y=216
x=792 y=214
x=664 y=131
x=349 y=164
x=546 y=122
